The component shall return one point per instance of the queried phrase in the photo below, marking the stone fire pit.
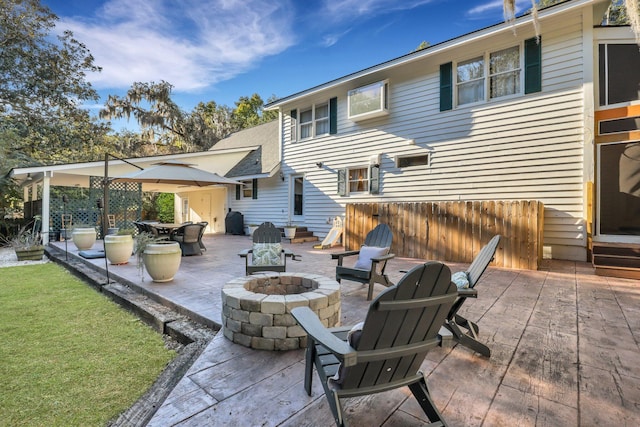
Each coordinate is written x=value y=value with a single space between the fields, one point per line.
x=256 y=310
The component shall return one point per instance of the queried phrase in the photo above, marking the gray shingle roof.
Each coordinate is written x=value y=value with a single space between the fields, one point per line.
x=261 y=161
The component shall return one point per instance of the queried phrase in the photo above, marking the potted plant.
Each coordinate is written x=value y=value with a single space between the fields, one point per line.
x=161 y=258
x=83 y=237
x=289 y=230
x=27 y=244
x=119 y=247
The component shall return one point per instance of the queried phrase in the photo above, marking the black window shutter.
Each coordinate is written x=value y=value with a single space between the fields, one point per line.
x=333 y=116
x=533 y=65
x=342 y=182
x=446 y=86
x=238 y=190
x=374 y=179
x=254 y=193
x=294 y=125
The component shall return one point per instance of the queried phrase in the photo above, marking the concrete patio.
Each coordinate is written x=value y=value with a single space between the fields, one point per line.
x=564 y=343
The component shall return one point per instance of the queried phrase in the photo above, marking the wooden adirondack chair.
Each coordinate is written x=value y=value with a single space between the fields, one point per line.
x=267 y=253
x=466 y=282
x=372 y=260
x=386 y=352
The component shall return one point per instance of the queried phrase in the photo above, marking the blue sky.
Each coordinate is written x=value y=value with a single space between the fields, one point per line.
x=219 y=50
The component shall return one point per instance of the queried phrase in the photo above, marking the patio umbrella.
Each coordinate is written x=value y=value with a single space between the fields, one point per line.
x=177 y=173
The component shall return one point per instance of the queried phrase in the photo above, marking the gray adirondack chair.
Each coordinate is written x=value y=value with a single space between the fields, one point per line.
x=455 y=322
x=401 y=326
x=362 y=271
x=267 y=253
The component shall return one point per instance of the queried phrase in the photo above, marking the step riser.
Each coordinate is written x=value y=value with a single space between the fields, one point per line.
x=616 y=260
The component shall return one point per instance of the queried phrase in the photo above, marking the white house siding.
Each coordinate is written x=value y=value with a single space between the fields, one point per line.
x=525 y=147
x=271 y=204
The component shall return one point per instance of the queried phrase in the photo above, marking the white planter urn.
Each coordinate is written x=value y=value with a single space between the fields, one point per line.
x=289 y=232
x=84 y=238
x=118 y=248
x=252 y=228
x=162 y=260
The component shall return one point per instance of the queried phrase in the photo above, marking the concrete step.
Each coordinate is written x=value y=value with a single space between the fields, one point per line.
x=302 y=235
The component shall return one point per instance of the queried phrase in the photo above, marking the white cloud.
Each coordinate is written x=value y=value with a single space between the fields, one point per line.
x=346 y=10
x=494 y=6
x=192 y=44
x=336 y=15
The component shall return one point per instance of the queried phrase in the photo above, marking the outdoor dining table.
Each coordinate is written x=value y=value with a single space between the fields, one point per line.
x=166 y=228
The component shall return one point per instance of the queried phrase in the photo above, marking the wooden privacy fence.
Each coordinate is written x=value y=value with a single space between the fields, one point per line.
x=454 y=231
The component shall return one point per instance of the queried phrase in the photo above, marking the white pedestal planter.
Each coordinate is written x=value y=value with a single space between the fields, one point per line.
x=162 y=260
x=289 y=232
x=252 y=228
x=84 y=238
x=118 y=248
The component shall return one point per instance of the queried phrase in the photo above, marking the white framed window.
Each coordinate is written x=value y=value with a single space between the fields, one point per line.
x=306 y=123
x=247 y=189
x=314 y=121
x=492 y=75
x=470 y=81
x=368 y=101
x=185 y=209
x=504 y=72
x=358 y=181
x=321 y=119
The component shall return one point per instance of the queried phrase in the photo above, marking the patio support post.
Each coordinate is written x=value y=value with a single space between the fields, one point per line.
x=46 y=210
x=105 y=196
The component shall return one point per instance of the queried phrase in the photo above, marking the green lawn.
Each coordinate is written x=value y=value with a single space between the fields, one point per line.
x=68 y=355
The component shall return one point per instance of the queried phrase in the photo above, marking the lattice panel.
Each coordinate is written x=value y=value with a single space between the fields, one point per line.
x=125 y=204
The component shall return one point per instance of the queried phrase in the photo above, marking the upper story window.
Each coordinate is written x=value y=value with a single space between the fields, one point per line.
x=317 y=120
x=503 y=74
x=470 y=81
x=492 y=75
x=619 y=79
x=306 y=123
x=322 y=119
x=368 y=101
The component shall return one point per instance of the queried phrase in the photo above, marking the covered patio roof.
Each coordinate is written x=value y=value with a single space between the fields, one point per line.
x=77 y=174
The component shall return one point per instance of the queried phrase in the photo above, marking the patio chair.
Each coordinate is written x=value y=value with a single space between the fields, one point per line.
x=204 y=227
x=188 y=236
x=267 y=253
x=140 y=226
x=386 y=350
x=372 y=260
x=466 y=282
